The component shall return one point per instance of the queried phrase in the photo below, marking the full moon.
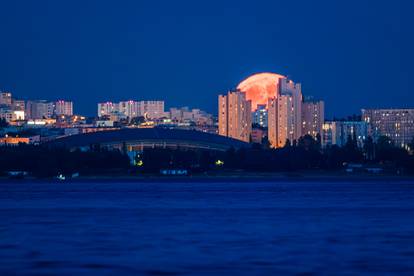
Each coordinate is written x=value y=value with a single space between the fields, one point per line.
x=260 y=87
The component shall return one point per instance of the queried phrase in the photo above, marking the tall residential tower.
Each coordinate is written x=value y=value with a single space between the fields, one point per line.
x=313 y=117
x=285 y=117
x=235 y=116
x=283 y=100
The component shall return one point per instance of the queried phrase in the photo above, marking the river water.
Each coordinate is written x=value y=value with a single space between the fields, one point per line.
x=203 y=228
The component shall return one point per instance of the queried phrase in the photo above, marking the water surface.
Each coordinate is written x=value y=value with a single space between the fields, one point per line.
x=207 y=228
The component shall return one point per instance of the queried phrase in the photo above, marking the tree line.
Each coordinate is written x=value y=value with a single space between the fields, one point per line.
x=305 y=154
x=41 y=161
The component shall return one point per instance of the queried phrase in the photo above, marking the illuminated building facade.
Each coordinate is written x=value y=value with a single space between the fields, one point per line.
x=6 y=114
x=39 y=109
x=284 y=113
x=63 y=108
x=280 y=100
x=186 y=115
x=11 y=116
x=397 y=124
x=11 y=109
x=260 y=115
x=235 y=119
x=152 y=109
x=313 y=117
x=5 y=99
x=15 y=141
x=107 y=108
x=129 y=108
x=18 y=115
x=18 y=105
x=6 y=111
x=338 y=132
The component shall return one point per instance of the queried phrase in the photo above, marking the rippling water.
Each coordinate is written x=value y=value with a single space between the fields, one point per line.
x=207 y=228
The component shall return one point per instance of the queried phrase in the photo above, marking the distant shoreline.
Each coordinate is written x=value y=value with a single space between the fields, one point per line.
x=232 y=178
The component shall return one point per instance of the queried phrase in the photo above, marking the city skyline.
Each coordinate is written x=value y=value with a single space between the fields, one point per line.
x=249 y=89
x=266 y=137
x=189 y=56
x=90 y=110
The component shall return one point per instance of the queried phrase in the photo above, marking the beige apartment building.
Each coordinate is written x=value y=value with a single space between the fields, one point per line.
x=313 y=117
x=285 y=114
x=235 y=119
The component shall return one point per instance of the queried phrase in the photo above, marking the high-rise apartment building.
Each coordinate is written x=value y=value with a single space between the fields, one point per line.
x=130 y=109
x=260 y=116
x=235 y=118
x=5 y=99
x=18 y=105
x=284 y=113
x=397 y=124
x=39 y=109
x=283 y=100
x=152 y=109
x=107 y=108
x=313 y=117
x=63 y=108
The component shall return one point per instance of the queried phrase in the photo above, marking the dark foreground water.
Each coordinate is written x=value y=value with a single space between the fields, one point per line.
x=207 y=228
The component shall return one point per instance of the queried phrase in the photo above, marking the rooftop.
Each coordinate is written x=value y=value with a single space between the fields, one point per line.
x=155 y=135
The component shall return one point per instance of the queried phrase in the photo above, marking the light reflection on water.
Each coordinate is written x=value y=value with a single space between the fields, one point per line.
x=207 y=228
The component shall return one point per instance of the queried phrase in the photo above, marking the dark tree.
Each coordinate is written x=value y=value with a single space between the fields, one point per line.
x=369 y=148
x=287 y=144
x=318 y=141
x=307 y=142
x=411 y=145
x=265 y=142
x=351 y=152
x=138 y=120
x=3 y=123
x=386 y=151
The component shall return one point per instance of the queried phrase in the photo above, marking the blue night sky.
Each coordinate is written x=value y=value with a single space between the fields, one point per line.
x=352 y=54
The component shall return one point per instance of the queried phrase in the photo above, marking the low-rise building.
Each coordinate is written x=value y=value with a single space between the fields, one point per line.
x=131 y=109
x=186 y=115
x=104 y=123
x=338 y=132
x=11 y=115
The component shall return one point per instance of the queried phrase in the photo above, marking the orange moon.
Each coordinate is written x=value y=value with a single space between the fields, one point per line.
x=260 y=87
